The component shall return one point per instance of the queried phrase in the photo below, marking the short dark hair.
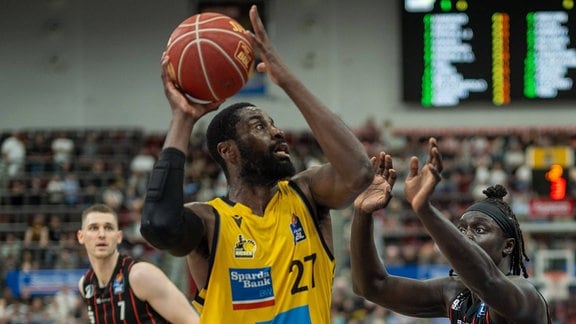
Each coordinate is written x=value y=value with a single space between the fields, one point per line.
x=221 y=128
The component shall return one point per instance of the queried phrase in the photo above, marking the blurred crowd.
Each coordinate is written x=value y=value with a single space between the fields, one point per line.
x=48 y=176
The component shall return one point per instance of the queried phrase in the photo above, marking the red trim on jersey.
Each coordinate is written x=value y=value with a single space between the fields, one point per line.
x=133 y=302
x=92 y=274
x=148 y=307
x=112 y=308
x=253 y=305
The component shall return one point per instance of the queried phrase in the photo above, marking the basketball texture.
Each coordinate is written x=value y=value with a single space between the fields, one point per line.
x=210 y=57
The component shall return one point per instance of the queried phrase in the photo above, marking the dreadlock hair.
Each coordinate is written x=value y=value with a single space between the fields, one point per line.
x=222 y=128
x=494 y=196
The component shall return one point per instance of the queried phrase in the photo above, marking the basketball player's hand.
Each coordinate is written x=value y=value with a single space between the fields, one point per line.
x=179 y=103
x=420 y=184
x=271 y=62
x=379 y=193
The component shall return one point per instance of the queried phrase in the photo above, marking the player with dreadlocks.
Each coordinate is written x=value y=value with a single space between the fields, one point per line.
x=487 y=283
x=496 y=208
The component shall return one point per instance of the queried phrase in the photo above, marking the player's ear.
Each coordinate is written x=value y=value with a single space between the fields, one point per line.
x=80 y=236
x=120 y=237
x=227 y=150
x=508 y=246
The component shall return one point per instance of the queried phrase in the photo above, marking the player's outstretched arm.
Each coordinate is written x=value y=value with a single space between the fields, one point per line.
x=370 y=279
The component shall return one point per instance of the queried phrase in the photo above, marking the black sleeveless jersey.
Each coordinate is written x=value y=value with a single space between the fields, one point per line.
x=116 y=303
x=464 y=311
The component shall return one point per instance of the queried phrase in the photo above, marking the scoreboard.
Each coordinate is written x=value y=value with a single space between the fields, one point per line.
x=493 y=51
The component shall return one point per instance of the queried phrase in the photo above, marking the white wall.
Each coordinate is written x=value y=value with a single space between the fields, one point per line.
x=83 y=63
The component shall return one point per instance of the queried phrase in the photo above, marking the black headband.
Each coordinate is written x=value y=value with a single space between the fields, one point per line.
x=496 y=214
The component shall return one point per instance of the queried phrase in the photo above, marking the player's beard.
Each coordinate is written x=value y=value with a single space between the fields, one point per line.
x=262 y=168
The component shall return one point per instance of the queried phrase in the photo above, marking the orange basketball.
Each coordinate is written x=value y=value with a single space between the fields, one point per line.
x=210 y=57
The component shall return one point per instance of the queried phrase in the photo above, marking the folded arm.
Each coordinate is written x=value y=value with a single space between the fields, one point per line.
x=166 y=223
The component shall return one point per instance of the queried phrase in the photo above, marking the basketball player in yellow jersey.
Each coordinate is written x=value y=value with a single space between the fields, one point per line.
x=278 y=266
x=262 y=253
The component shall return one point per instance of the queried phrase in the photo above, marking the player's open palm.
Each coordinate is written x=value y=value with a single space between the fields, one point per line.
x=379 y=193
x=179 y=103
x=420 y=184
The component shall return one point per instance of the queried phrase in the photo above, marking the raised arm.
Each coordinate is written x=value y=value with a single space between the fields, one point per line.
x=166 y=224
x=370 y=279
x=336 y=184
x=512 y=297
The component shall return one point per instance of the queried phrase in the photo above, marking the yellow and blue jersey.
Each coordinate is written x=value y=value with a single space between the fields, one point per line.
x=274 y=268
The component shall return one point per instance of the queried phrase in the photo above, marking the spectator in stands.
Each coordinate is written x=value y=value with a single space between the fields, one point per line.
x=55 y=189
x=10 y=253
x=38 y=154
x=64 y=304
x=28 y=261
x=90 y=146
x=17 y=192
x=36 y=237
x=16 y=312
x=94 y=181
x=38 y=312
x=62 y=150
x=113 y=194
x=11 y=246
x=71 y=188
x=55 y=229
x=498 y=174
x=55 y=234
x=486 y=251
x=36 y=195
x=142 y=162
x=137 y=182
x=14 y=153
x=66 y=259
x=514 y=155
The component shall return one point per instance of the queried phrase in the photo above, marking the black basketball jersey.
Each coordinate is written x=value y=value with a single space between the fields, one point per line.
x=464 y=311
x=116 y=303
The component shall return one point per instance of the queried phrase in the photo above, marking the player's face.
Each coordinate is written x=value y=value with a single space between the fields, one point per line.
x=483 y=230
x=264 y=153
x=100 y=234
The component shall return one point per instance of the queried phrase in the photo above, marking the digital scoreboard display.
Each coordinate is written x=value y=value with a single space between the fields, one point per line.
x=493 y=51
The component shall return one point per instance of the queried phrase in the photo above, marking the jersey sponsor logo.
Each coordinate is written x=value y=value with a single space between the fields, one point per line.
x=244 y=248
x=297 y=229
x=89 y=291
x=103 y=300
x=118 y=284
x=251 y=288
